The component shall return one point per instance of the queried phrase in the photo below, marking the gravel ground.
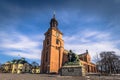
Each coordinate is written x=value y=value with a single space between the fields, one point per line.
x=9 y=76
x=104 y=77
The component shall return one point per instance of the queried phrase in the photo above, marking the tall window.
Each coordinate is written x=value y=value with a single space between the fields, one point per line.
x=57 y=41
x=47 y=41
x=46 y=56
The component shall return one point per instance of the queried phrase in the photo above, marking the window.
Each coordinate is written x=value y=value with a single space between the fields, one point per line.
x=57 y=41
x=46 y=56
x=47 y=41
x=48 y=33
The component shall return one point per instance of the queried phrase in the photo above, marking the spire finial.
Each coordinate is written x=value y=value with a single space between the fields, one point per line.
x=86 y=51
x=54 y=14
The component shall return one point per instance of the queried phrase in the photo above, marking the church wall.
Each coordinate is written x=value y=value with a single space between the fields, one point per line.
x=54 y=60
x=89 y=67
x=53 y=55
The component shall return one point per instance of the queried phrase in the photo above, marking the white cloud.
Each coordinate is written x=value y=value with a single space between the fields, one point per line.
x=95 y=34
x=16 y=43
x=88 y=33
x=30 y=46
x=25 y=55
x=94 y=41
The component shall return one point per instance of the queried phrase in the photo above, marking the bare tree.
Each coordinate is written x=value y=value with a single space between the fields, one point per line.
x=109 y=62
x=96 y=59
x=34 y=64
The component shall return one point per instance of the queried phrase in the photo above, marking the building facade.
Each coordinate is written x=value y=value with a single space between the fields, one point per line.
x=53 y=47
x=19 y=66
x=54 y=55
x=85 y=61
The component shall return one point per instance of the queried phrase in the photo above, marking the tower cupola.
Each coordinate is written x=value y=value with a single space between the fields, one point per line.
x=53 y=22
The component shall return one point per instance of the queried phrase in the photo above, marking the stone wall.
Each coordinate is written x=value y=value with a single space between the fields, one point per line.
x=71 y=71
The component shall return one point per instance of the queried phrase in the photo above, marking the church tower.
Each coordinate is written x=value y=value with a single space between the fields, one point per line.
x=53 y=47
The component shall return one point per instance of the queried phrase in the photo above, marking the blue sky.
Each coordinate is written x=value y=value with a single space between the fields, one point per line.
x=86 y=24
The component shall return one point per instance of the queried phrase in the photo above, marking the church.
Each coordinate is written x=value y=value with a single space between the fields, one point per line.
x=54 y=55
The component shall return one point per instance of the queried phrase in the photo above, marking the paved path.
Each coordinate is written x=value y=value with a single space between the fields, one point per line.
x=6 y=76
x=9 y=76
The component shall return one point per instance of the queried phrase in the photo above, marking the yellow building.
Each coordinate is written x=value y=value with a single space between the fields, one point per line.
x=7 y=67
x=21 y=66
x=36 y=70
x=14 y=68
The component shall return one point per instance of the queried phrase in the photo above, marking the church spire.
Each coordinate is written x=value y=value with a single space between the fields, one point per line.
x=53 y=22
x=54 y=14
x=86 y=51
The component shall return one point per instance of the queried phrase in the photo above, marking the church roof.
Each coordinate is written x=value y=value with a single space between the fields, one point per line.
x=84 y=54
x=53 y=22
x=8 y=62
x=19 y=61
x=66 y=51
